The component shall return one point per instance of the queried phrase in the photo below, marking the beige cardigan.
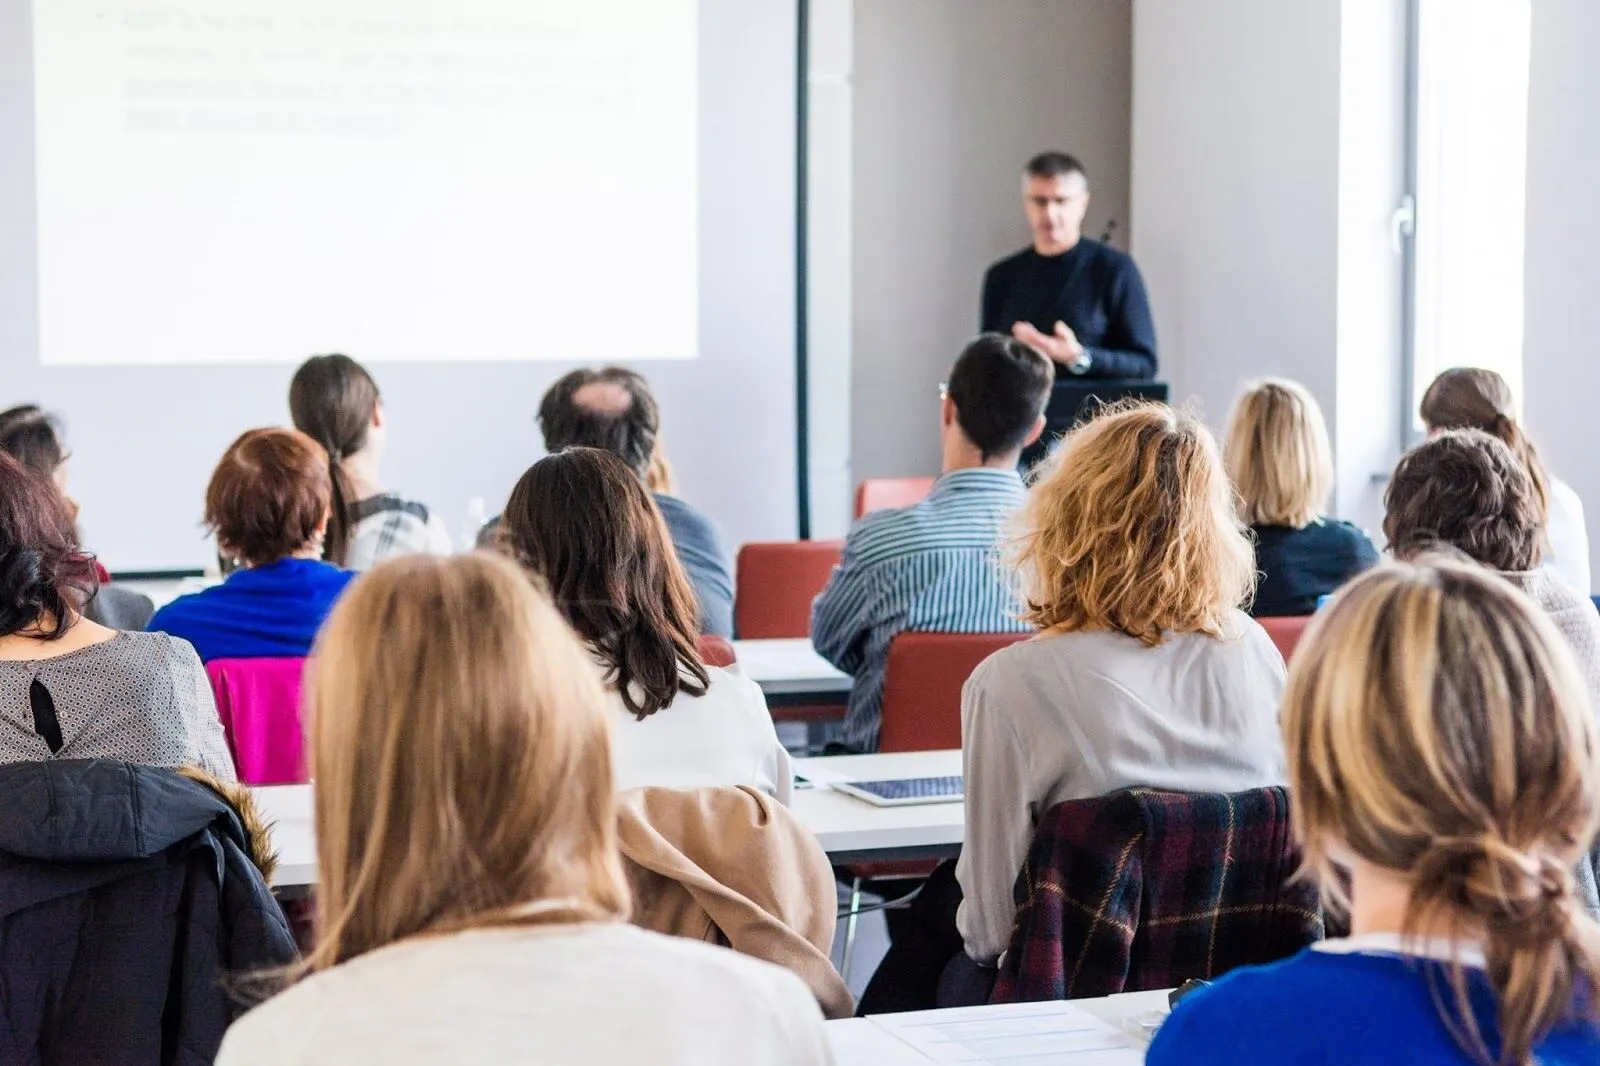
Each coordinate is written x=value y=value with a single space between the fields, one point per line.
x=732 y=866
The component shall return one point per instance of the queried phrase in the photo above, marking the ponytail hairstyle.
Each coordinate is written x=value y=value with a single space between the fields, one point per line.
x=332 y=399
x=1474 y=398
x=1437 y=727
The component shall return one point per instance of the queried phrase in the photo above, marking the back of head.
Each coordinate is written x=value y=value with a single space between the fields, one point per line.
x=1438 y=729
x=33 y=438
x=269 y=497
x=611 y=409
x=999 y=387
x=45 y=577
x=1277 y=454
x=1464 y=489
x=583 y=522
x=1131 y=528
x=332 y=399
x=1474 y=398
x=462 y=759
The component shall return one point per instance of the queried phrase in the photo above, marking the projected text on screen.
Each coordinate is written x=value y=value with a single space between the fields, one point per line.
x=422 y=180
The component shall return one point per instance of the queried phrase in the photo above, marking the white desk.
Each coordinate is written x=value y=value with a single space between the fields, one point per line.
x=865 y=1042
x=849 y=830
x=791 y=673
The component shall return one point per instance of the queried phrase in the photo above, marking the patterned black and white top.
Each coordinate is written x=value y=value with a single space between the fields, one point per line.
x=139 y=697
x=382 y=527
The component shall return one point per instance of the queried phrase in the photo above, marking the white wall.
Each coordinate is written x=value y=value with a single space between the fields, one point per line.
x=1267 y=149
x=951 y=97
x=1561 y=373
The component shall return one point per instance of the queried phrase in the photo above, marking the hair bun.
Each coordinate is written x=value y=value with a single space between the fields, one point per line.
x=1525 y=893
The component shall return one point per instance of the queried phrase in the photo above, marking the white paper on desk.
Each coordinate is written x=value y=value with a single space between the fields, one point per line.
x=1026 y=1034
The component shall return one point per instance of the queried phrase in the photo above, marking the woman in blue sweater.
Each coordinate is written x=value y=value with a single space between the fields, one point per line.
x=268 y=504
x=1442 y=753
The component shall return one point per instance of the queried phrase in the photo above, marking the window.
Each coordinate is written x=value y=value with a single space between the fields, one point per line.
x=1469 y=165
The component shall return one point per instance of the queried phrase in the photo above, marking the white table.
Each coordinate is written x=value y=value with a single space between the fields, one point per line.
x=849 y=830
x=791 y=672
x=866 y=1042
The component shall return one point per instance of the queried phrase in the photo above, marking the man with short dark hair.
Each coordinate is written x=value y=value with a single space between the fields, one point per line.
x=1080 y=302
x=614 y=409
x=932 y=566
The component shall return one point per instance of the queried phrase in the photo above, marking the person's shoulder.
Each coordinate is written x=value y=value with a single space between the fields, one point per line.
x=1223 y=1021
x=1009 y=264
x=1114 y=258
x=717 y=972
x=284 y=1028
x=684 y=517
x=161 y=648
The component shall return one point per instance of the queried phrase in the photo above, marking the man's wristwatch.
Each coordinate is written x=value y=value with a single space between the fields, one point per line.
x=1081 y=364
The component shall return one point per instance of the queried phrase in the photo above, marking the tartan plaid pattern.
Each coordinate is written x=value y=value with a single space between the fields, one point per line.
x=1143 y=889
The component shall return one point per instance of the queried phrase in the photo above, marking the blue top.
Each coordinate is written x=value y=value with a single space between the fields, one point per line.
x=1320 y=1008
x=704 y=559
x=930 y=567
x=1092 y=287
x=271 y=611
x=1297 y=567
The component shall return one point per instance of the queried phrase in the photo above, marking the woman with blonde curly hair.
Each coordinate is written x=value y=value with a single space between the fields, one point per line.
x=1145 y=672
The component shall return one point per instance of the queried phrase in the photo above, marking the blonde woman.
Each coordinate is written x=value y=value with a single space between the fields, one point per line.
x=1442 y=765
x=472 y=901
x=1277 y=454
x=1473 y=398
x=1145 y=671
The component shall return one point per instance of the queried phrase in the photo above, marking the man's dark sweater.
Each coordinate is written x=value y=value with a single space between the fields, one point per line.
x=1095 y=289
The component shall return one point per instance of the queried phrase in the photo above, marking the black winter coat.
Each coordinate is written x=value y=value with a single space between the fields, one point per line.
x=132 y=899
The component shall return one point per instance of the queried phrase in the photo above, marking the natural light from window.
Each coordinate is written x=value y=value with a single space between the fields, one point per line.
x=1472 y=136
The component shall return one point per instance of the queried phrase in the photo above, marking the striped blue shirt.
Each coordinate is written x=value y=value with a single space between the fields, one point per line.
x=931 y=567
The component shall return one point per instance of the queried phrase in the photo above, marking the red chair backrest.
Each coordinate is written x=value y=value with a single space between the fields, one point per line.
x=922 y=686
x=881 y=493
x=258 y=701
x=776 y=582
x=1285 y=633
x=716 y=651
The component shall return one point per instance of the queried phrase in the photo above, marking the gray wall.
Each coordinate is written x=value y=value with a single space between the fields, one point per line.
x=950 y=98
x=1561 y=373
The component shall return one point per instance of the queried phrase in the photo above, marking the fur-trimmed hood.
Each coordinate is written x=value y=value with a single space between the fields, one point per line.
x=93 y=816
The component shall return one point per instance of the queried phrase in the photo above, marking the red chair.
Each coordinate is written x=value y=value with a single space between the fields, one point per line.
x=882 y=493
x=1285 y=633
x=716 y=651
x=776 y=581
x=922 y=686
x=258 y=701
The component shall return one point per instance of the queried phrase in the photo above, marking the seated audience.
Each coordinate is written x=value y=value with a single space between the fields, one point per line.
x=1444 y=782
x=1277 y=454
x=614 y=409
x=34 y=439
x=69 y=687
x=268 y=505
x=1471 y=398
x=1465 y=490
x=1145 y=673
x=932 y=566
x=582 y=521
x=473 y=902
x=335 y=402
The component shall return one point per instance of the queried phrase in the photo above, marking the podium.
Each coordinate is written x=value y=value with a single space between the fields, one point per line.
x=1075 y=400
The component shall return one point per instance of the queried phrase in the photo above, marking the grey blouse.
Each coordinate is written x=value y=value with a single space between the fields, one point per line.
x=139 y=697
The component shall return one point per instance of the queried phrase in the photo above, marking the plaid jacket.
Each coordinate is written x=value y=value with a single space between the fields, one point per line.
x=1143 y=889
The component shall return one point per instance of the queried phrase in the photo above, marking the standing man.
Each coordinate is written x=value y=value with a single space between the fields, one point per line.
x=1080 y=302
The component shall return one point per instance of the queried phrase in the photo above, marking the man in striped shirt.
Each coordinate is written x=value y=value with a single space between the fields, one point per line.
x=934 y=566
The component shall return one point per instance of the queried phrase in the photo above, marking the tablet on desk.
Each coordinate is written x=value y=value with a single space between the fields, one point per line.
x=905 y=792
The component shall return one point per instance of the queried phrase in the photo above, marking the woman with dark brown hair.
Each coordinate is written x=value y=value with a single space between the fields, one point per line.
x=69 y=687
x=335 y=402
x=1473 y=398
x=583 y=522
x=268 y=504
